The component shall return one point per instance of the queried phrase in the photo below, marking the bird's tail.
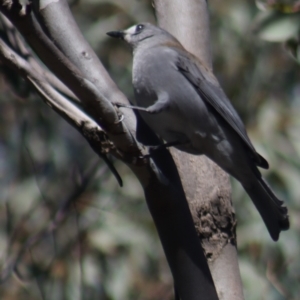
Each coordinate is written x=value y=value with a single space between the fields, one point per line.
x=272 y=210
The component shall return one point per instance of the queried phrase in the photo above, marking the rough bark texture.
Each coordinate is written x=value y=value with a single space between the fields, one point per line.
x=206 y=186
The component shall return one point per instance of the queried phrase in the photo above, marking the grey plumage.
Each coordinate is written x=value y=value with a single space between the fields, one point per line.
x=182 y=101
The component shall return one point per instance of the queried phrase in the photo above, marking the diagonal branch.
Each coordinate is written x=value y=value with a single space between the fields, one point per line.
x=94 y=101
x=70 y=112
x=13 y=38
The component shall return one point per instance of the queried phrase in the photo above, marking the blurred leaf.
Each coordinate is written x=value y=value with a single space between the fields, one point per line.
x=290 y=6
x=252 y=278
x=274 y=26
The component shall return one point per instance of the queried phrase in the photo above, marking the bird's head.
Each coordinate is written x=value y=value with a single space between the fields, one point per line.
x=140 y=33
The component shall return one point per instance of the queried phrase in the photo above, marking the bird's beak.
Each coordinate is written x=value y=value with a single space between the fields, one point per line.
x=116 y=34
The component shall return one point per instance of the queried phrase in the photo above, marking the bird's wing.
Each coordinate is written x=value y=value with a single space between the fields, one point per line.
x=210 y=91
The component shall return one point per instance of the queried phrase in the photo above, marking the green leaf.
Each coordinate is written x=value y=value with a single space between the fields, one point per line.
x=277 y=27
x=281 y=6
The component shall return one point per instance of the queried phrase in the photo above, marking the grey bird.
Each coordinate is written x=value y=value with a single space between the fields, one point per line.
x=182 y=102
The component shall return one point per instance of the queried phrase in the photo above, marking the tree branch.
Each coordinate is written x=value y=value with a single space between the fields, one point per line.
x=95 y=103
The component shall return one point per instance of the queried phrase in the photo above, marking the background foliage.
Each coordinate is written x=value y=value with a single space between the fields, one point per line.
x=105 y=245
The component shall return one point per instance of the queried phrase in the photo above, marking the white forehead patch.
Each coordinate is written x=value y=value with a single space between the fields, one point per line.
x=131 y=30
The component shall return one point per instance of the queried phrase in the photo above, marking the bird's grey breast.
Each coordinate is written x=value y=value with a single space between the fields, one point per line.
x=150 y=67
x=141 y=78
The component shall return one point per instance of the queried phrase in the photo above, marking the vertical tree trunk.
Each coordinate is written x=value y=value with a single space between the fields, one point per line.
x=206 y=186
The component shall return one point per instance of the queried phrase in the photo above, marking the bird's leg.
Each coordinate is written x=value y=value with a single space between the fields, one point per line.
x=161 y=104
x=118 y=104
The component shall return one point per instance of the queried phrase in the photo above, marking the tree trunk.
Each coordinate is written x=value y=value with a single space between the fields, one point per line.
x=206 y=186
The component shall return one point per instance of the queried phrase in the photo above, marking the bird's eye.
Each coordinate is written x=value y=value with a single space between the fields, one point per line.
x=139 y=28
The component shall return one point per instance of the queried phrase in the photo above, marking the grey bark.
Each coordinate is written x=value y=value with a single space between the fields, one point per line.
x=206 y=186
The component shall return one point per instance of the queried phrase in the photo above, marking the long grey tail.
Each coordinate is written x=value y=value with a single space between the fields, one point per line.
x=272 y=210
